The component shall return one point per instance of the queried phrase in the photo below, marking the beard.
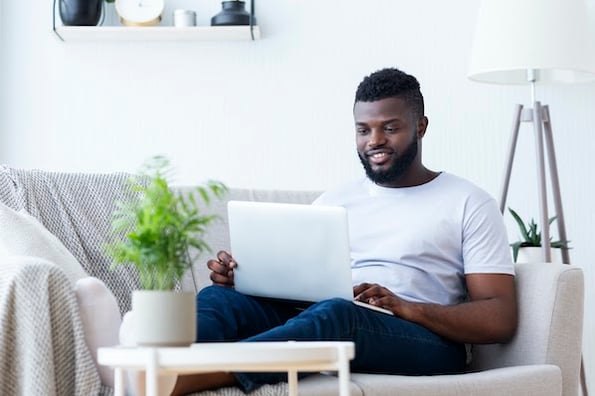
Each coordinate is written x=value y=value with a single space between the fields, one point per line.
x=396 y=170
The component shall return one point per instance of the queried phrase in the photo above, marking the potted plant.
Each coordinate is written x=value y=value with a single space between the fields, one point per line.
x=529 y=248
x=159 y=227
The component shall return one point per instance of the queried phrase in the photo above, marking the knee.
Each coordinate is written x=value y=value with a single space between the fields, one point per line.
x=335 y=303
x=214 y=291
x=212 y=294
x=208 y=291
x=337 y=308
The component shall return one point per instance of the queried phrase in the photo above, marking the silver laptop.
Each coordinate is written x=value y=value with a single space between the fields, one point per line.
x=291 y=252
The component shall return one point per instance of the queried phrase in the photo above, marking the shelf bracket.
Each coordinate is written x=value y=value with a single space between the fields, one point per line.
x=54 y=21
x=251 y=19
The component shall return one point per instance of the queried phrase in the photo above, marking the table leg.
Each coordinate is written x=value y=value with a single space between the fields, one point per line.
x=151 y=386
x=119 y=385
x=292 y=382
x=343 y=372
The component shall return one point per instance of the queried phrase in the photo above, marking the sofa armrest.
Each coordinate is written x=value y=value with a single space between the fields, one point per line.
x=42 y=344
x=551 y=299
x=538 y=380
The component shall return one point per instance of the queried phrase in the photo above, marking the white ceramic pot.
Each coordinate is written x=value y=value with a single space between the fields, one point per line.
x=164 y=318
x=535 y=255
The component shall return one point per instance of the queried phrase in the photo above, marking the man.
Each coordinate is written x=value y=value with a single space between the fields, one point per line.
x=429 y=246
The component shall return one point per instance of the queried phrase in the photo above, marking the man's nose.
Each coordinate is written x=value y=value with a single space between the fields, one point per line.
x=377 y=138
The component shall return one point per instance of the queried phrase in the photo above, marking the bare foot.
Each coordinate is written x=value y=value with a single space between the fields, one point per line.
x=198 y=382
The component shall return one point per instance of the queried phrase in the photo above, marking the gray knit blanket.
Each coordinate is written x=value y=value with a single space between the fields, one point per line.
x=42 y=345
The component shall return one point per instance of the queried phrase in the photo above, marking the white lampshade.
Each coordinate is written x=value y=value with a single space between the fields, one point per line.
x=551 y=37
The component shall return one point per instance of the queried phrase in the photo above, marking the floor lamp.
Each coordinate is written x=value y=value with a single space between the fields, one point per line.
x=534 y=42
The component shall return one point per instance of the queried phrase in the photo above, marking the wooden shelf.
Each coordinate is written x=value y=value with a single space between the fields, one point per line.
x=157 y=33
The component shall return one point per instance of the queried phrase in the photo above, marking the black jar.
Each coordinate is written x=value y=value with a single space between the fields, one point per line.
x=80 y=12
x=232 y=13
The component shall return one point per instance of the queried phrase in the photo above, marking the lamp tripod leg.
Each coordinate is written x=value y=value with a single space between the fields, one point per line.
x=584 y=389
x=541 y=183
x=549 y=143
x=516 y=122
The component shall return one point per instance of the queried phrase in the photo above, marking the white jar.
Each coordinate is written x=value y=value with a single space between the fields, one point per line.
x=184 y=18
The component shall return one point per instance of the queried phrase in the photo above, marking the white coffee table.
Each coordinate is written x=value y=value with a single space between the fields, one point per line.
x=290 y=356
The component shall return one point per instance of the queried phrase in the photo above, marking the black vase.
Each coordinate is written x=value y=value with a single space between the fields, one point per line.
x=233 y=13
x=80 y=12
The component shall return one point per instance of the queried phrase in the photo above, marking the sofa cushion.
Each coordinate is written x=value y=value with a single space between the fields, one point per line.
x=22 y=235
x=538 y=379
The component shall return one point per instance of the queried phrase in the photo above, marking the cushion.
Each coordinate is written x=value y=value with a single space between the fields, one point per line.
x=22 y=235
x=100 y=315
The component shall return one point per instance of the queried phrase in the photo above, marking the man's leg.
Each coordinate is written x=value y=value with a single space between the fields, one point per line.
x=383 y=343
x=223 y=314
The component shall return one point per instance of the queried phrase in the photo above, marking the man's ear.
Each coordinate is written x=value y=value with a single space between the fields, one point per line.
x=422 y=125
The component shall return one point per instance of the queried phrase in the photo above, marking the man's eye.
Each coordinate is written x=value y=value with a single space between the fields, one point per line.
x=390 y=130
x=361 y=131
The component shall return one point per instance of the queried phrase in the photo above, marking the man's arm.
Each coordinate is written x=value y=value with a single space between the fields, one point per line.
x=489 y=316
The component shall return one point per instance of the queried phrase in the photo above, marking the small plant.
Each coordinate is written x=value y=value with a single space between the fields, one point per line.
x=160 y=226
x=531 y=237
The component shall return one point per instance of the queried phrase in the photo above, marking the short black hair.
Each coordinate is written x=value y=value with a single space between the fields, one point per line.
x=391 y=83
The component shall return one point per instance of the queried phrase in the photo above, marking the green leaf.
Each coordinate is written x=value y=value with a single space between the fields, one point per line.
x=515 y=250
x=153 y=230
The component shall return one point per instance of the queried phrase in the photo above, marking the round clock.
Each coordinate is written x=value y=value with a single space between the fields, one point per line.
x=139 y=12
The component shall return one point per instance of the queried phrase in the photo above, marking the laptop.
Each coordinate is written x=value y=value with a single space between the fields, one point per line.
x=291 y=252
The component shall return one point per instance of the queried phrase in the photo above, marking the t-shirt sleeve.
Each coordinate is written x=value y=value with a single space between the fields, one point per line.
x=485 y=241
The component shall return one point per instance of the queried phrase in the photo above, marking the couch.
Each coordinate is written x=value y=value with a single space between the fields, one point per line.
x=45 y=341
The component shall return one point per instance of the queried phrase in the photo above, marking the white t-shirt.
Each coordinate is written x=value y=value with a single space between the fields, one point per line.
x=421 y=241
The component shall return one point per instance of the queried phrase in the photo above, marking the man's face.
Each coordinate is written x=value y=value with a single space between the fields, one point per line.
x=387 y=139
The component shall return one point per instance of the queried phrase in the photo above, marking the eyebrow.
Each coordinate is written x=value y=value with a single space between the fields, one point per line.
x=384 y=122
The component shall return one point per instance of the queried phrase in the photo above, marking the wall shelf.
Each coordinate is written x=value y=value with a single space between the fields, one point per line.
x=157 y=33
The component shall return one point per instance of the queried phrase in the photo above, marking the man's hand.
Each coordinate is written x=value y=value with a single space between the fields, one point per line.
x=222 y=269
x=377 y=295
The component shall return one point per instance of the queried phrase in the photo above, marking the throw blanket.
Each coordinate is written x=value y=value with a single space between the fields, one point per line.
x=42 y=345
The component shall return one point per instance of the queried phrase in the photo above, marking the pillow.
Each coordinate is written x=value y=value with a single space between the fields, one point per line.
x=100 y=315
x=22 y=235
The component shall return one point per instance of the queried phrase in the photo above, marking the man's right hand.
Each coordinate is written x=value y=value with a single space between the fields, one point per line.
x=222 y=269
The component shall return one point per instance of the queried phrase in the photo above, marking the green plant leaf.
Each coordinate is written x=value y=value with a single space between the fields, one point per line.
x=521 y=224
x=515 y=250
x=154 y=230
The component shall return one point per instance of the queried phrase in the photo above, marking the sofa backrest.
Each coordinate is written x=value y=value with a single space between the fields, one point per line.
x=550 y=323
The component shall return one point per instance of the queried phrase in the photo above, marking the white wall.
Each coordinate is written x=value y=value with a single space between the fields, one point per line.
x=276 y=113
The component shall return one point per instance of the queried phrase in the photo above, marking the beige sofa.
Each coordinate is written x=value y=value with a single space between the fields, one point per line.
x=542 y=359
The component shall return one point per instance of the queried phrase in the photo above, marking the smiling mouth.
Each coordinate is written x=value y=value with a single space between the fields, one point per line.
x=379 y=158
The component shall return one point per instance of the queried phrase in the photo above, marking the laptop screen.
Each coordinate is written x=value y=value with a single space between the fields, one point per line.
x=290 y=251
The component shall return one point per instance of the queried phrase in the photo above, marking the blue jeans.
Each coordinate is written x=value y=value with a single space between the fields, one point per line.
x=383 y=343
